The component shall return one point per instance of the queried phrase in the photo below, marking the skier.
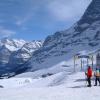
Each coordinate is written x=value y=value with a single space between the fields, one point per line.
x=97 y=76
x=89 y=75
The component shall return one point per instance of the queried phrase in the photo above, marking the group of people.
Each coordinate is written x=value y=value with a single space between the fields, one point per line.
x=90 y=73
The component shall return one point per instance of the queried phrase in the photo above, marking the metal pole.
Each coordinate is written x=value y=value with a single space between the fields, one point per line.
x=92 y=62
x=74 y=63
x=87 y=62
x=81 y=64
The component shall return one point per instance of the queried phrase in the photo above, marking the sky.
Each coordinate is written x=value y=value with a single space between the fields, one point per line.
x=36 y=19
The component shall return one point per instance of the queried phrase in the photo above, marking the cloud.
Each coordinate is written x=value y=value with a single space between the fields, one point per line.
x=64 y=10
x=6 y=33
x=32 y=8
x=58 y=10
x=21 y=21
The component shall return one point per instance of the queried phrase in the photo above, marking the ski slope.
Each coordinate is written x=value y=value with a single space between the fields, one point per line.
x=60 y=86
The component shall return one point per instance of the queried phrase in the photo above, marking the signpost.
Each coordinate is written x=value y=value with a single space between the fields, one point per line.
x=81 y=57
x=87 y=57
x=98 y=60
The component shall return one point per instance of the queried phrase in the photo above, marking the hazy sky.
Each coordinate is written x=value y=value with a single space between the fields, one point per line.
x=35 y=19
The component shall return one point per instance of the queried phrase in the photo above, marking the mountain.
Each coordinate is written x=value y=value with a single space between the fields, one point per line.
x=63 y=45
x=12 y=44
x=21 y=56
x=14 y=53
x=59 y=48
x=7 y=47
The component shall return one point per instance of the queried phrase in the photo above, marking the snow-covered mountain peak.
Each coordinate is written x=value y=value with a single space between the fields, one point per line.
x=12 y=44
x=15 y=52
x=33 y=45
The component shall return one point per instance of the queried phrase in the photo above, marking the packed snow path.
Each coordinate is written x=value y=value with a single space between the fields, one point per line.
x=73 y=87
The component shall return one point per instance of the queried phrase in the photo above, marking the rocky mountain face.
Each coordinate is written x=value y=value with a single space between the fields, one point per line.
x=14 y=53
x=84 y=35
x=7 y=47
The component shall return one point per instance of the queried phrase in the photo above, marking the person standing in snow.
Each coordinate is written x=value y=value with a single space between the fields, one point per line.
x=97 y=76
x=89 y=75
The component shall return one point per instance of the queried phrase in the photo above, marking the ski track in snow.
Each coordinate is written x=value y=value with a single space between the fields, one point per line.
x=72 y=87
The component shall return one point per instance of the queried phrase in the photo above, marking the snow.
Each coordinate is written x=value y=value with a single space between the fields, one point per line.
x=15 y=82
x=12 y=44
x=11 y=48
x=60 y=67
x=56 y=87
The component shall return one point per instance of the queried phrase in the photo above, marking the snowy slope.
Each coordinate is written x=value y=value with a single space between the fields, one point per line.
x=57 y=87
